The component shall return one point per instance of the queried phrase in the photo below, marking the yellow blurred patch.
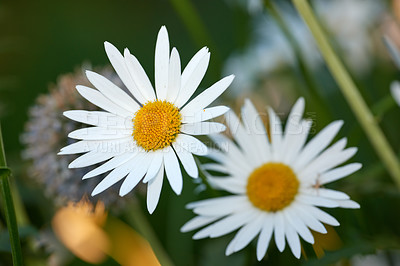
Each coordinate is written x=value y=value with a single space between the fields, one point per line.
x=329 y=241
x=128 y=247
x=90 y=235
x=79 y=228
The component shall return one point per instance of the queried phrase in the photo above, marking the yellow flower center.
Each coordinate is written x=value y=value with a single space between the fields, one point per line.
x=272 y=186
x=156 y=125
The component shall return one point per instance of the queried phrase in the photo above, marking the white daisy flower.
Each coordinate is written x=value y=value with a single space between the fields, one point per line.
x=140 y=136
x=276 y=182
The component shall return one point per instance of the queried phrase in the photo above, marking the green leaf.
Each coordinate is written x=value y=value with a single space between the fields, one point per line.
x=4 y=172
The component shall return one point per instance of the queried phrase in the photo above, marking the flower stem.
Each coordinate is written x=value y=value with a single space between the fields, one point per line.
x=9 y=207
x=309 y=85
x=351 y=93
x=3 y=162
x=300 y=61
x=138 y=219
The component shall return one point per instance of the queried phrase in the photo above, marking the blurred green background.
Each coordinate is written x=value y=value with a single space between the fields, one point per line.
x=42 y=40
x=275 y=61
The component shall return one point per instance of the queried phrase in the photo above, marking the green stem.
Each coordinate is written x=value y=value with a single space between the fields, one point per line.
x=303 y=72
x=3 y=162
x=140 y=222
x=9 y=207
x=351 y=93
x=274 y=12
x=20 y=211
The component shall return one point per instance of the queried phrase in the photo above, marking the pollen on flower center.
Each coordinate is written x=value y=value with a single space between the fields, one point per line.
x=156 y=125
x=272 y=186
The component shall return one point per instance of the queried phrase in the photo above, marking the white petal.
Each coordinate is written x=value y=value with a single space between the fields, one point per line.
x=308 y=219
x=215 y=167
x=187 y=160
x=139 y=76
x=154 y=167
x=118 y=145
x=191 y=144
x=293 y=241
x=173 y=170
x=193 y=81
x=83 y=146
x=332 y=162
x=100 y=119
x=217 y=155
x=227 y=200
x=154 y=190
x=296 y=142
x=275 y=126
x=320 y=215
x=202 y=128
x=254 y=124
x=197 y=222
x=111 y=164
x=279 y=231
x=118 y=63
x=232 y=185
x=226 y=225
x=327 y=193
x=298 y=225
x=316 y=201
x=233 y=158
x=293 y=121
x=192 y=65
x=338 y=173
x=265 y=237
x=139 y=170
x=317 y=144
x=331 y=157
x=221 y=210
x=101 y=101
x=349 y=204
x=245 y=142
x=112 y=91
x=174 y=76
x=98 y=133
x=91 y=158
x=208 y=96
x=162 y=63
x=116 y=175
x=231 y=246
x=247 y=233
x=204 y=114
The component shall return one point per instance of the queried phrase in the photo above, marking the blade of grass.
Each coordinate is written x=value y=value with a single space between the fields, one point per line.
x=351 y=93
x=304 y=73
x=8 y=207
